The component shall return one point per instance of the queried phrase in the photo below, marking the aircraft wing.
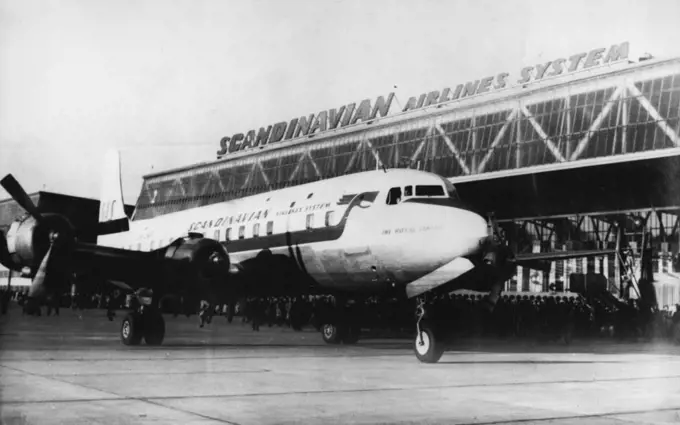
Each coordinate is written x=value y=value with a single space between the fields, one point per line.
x=543 y=260
x=189 y=260
x=563 y=255
x=117 y=263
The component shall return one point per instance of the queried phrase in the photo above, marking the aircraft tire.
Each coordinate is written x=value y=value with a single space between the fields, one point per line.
x=131 y=329
x=331 y=333
x=431 y=348
x=154 y=327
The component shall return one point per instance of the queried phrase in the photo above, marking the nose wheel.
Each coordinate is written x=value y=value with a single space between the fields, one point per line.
x=428 y=345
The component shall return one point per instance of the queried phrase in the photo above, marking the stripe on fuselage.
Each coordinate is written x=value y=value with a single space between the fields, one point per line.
x=300 y=237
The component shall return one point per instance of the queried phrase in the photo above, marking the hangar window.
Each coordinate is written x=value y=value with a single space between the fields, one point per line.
x=227 y=236
x=242 y=232
x=270 y=227
x=429 y=190
x=256 y=230
x=310 y=221
x=329 y=218
x=394 y=196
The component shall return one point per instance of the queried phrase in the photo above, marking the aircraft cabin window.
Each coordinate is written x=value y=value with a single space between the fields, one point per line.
x=227 y=236
x=394 y=196
x=270 y=227
x=429 y=190
x=242 y=232
x=256 y=230
x=310 y=221
x=329 y=218
x=408 y=191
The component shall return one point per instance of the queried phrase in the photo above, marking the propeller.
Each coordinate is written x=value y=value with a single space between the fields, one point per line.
x=12 y=186
x=57 y=229
x=40 y=280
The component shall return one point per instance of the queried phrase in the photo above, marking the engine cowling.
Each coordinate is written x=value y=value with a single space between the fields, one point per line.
x=28 y=240
x=198 y=257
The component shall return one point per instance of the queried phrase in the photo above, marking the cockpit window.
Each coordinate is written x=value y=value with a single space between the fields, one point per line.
x=408 y=191
x=394 y=196
x=429 y=190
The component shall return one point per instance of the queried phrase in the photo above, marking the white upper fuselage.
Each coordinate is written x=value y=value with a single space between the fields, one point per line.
x=342 y=242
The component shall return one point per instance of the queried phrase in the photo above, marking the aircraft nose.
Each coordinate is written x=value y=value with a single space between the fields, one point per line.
x=467 y=231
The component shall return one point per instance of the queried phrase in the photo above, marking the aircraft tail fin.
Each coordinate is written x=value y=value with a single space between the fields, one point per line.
x=112 y=218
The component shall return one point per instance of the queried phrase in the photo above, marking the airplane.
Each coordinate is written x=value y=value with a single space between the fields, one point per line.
x=389 y=231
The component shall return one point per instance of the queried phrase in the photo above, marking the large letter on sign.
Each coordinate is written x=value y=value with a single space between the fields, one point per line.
x=617 y=52
x=248 y=142
x=235 y=143
x=381 y=107
x=363 y=111
x=263 y=136
x=303 y=125
x=224 y=146
x=320 y=122
x=277 y=132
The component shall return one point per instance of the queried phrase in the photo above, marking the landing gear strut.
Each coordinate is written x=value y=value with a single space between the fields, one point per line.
x=146 y=321
x=428 y=346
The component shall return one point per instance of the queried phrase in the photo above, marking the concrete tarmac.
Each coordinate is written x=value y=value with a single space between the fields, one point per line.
x=73 y=370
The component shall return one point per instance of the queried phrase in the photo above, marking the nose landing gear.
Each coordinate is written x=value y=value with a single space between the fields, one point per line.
x=428 y=345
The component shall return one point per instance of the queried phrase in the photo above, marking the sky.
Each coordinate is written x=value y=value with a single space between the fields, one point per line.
x=164 y=80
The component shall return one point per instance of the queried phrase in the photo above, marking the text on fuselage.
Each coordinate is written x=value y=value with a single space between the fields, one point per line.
x=400 y=230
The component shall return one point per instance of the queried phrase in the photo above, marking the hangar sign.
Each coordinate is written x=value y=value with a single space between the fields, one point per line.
x=307 y=125
x=351 y=114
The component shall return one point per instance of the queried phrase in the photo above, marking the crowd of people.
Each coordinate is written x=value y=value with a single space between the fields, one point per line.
x=551 y=316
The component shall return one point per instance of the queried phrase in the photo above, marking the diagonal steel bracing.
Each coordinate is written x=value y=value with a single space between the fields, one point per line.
x=548 y=143
x=497 y=140
x=454 y=150
x=660 y=121
x=597 y=122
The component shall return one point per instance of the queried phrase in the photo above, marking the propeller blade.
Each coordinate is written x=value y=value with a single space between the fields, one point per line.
x=12 y=186
x=38 y=287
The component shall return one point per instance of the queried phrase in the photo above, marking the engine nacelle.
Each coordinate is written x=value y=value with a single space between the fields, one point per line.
x=28 y=240
x=198 y=257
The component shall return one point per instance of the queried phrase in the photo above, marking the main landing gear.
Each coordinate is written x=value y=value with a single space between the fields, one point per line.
x=336 y=333
x=340 y=322
x=428 y=346
x=145 y=321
